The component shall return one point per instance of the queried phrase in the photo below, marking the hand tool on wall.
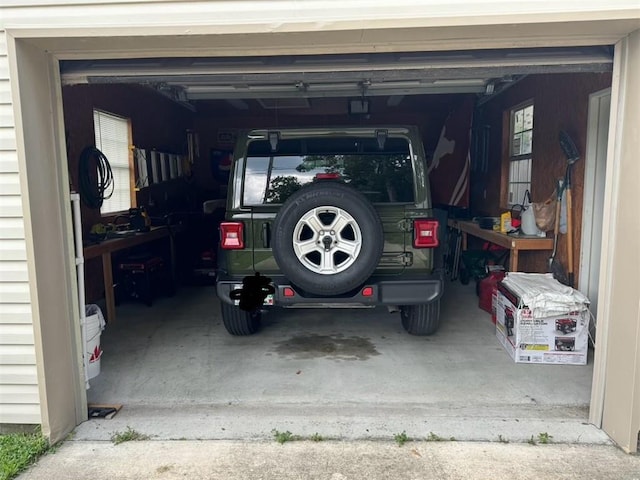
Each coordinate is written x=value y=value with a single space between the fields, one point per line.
x=571 y=152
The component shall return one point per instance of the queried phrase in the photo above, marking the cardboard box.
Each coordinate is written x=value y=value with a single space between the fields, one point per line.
x=551 y=340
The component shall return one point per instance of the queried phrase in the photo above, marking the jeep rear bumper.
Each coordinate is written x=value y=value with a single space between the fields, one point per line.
x=416 y=290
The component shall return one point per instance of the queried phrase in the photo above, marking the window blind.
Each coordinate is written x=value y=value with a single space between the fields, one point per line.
x=520 y=153
x=112 y=139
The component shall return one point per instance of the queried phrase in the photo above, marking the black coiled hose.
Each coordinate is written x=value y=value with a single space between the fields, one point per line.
x=95 y=177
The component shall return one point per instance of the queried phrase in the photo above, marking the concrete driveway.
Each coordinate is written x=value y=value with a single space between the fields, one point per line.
x=356 y=460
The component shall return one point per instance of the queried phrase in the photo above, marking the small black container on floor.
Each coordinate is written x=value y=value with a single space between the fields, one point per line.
x=144 y=277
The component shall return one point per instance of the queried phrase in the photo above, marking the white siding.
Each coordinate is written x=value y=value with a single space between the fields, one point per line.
x=15 y=394
x=12 y=229
x=19 y=399
x=14 y=271
x=12 y=250
x=15 y=313
x=9 y=183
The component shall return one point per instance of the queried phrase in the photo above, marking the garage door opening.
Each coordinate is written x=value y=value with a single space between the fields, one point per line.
x=319 y=366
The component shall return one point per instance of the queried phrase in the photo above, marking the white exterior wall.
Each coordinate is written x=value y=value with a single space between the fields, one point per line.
x=19 y=398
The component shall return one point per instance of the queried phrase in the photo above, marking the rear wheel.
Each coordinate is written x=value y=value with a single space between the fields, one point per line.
x=239 y=322
x=421 y=319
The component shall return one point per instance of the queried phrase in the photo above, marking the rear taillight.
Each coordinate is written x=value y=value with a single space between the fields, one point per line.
x=231 y=235
x=425 y=233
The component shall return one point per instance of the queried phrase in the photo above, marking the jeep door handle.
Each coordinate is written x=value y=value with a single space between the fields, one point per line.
x=265 y=235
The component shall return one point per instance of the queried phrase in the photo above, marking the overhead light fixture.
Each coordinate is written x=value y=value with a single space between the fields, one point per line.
x=358 y=106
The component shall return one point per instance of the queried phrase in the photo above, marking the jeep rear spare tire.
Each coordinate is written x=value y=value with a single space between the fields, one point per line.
x=327 y=238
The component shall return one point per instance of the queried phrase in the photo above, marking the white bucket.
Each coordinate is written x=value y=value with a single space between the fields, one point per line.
x=94 y=324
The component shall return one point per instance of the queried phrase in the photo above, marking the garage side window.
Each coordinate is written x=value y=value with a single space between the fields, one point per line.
x=520 y=142
x=113 y=139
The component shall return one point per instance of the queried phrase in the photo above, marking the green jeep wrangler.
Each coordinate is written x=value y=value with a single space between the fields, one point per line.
x=335 y=218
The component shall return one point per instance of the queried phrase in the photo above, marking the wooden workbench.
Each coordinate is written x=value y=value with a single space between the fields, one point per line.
x=515 y=243
x=104 y=250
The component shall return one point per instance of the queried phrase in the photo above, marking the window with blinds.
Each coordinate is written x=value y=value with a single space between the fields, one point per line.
x=113 y=140
x=520 y=149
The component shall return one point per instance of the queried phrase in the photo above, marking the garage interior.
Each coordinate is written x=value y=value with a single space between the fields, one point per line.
x=317 y=371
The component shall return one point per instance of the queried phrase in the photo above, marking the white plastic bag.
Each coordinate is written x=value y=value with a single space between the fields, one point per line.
x=528 y=225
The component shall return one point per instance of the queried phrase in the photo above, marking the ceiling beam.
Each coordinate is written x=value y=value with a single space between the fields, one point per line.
x=320 y=92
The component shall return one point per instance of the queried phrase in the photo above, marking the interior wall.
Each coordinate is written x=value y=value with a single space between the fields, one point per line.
x=449 y=167
x=427 y=112
x=156 y=122
x=561 y=102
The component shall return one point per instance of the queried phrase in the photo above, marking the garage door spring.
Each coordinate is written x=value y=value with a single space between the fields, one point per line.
x=95 y=177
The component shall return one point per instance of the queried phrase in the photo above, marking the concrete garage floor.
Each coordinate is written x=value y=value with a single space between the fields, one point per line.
x=346 y=374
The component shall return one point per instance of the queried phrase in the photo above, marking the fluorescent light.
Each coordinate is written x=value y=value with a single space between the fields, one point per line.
x=460 y=81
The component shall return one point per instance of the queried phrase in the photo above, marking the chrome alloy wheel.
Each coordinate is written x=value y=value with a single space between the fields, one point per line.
x=327 y=240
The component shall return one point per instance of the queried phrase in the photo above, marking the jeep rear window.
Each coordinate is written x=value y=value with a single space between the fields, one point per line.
x=383 y=175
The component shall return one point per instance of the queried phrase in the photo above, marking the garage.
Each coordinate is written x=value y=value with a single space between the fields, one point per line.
x=314 y=364
x=174 y=100
x=370 y=82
